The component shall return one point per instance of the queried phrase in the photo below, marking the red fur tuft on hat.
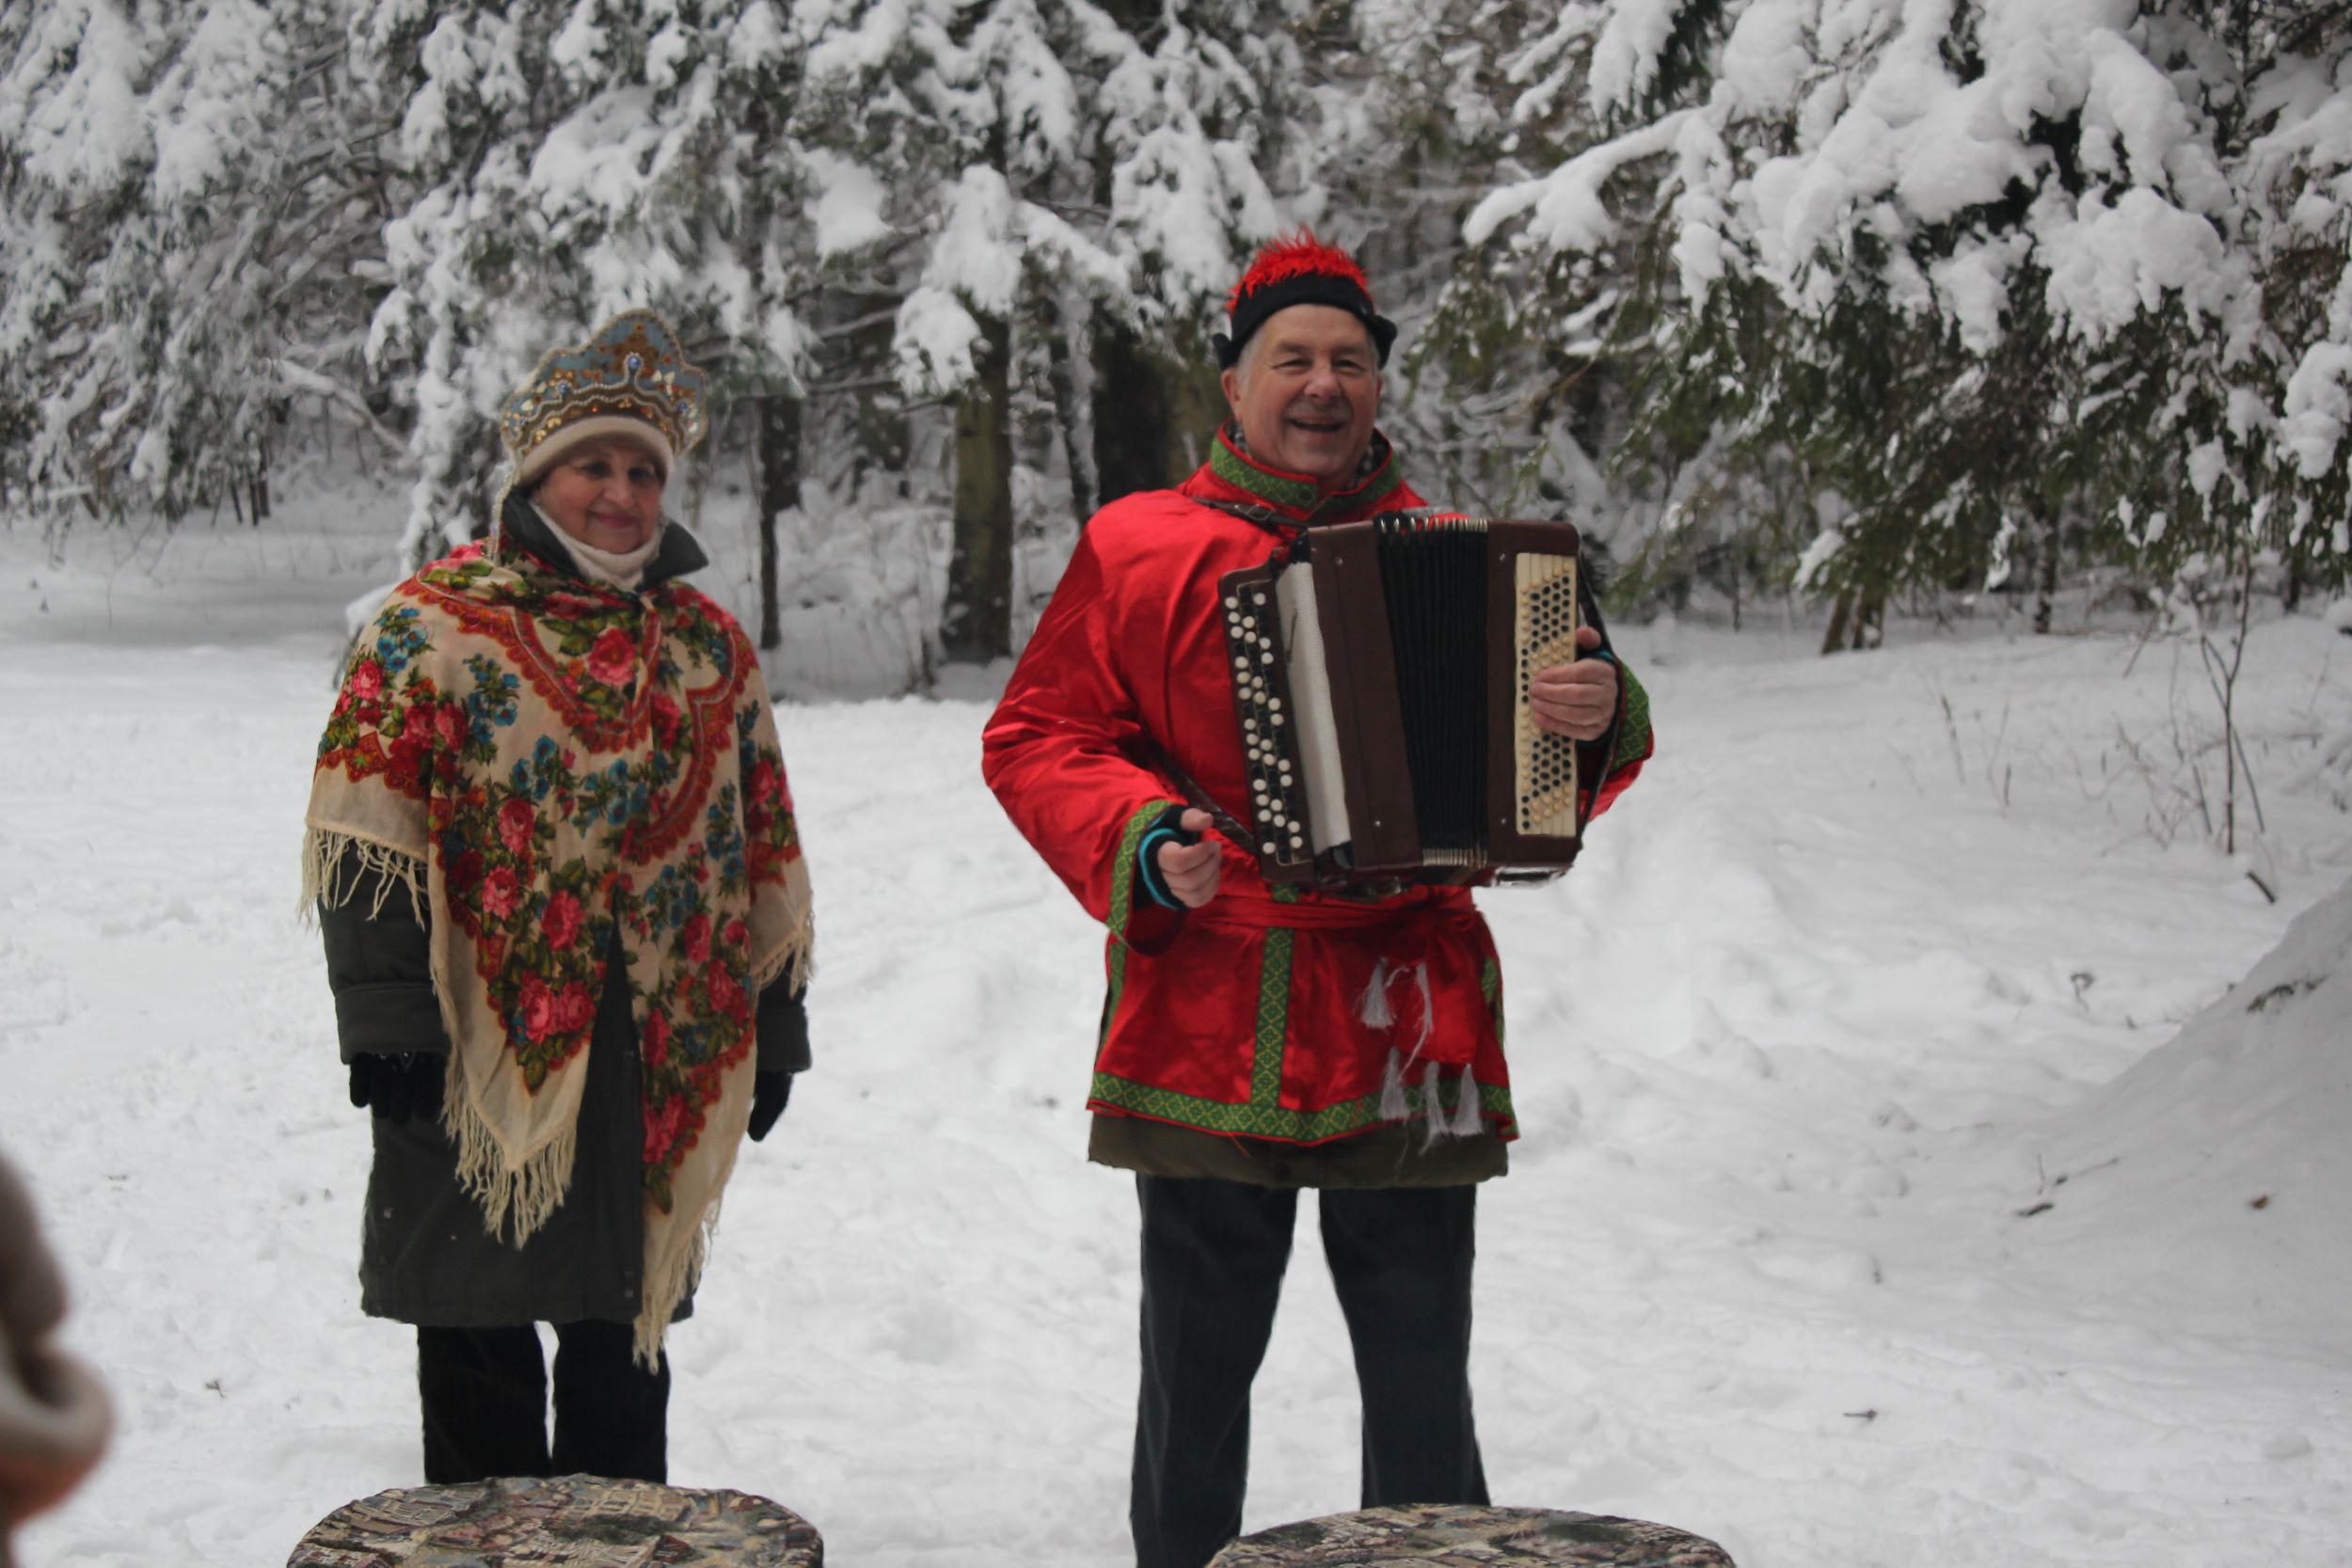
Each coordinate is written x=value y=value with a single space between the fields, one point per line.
x=1299 y=255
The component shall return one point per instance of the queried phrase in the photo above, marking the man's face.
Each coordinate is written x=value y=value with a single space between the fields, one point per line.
x=1306 y=393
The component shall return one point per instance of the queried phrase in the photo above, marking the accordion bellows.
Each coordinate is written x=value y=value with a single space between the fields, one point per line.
x=1381 y=677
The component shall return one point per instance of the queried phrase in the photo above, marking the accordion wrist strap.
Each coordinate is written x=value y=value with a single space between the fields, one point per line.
x=1156 y=757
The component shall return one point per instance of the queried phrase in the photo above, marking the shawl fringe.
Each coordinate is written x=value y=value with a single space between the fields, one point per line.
x=522 y=1193
x=331 y=878
x=797 y=956
x=669 y=1280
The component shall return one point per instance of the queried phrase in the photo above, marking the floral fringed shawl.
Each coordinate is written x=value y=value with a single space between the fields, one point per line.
x=539 y=758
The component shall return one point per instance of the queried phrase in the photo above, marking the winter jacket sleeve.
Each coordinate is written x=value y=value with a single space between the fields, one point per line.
x=783 y=1027
x=1060 y=753
x=379 y=965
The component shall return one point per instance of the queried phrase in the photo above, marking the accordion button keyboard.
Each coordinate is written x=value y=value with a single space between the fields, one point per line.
x=1253 y=643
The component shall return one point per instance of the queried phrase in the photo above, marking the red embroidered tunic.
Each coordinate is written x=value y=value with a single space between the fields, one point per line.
x=1248 y=1016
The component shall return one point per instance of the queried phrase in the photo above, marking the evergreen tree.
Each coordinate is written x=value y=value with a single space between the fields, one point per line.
x=1199 y=107
x=1066 y=172
x=188 y=199
x=1503 y=392
x=574 y=158
x=1980 y=270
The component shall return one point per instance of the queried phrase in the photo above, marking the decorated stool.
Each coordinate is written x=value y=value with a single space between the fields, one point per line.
x=568 y=1522
x=1456 y=1535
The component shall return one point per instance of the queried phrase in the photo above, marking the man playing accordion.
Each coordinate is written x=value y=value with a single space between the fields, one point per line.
x=1261 y=1038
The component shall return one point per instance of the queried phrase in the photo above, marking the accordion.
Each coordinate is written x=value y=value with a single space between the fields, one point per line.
x=1381 y=676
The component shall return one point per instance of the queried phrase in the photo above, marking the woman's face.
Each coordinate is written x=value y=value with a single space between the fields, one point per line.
x=605 y=493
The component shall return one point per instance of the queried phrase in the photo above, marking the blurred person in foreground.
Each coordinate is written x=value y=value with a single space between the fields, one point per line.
x=567 y=927
x=1257 y=1040
x=54 y=1417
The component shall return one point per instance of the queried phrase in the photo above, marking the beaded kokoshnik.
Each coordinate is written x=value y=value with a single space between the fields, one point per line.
x=631 y=367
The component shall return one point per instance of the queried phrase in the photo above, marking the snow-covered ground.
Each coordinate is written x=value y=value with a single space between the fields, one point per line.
x=1874 y=1206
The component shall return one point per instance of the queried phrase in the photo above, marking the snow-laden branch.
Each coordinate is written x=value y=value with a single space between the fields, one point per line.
x=1563 y=209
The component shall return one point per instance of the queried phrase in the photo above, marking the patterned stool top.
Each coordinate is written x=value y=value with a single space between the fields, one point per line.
x=1452 y=1535
x=569 y=1522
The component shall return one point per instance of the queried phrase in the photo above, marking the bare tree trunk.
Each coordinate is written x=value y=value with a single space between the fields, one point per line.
x=1834 y=639
x=1869 y=623
x=2223 y=673
x=2047 y=515
x=465 y=478
x=779 y=492
x=881 y=442
x=1072 y=416
x=975 y=622
x=1197 y=407
x=1130 y=415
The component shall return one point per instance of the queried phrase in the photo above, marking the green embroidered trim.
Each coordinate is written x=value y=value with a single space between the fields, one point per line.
x=1379 y=484
x=1274 y=1017
x=1286 y=892
x=1299 y=495
x=1633 y=735
x=1264 y=1116
x=1274 y=1121
x=1123 y=905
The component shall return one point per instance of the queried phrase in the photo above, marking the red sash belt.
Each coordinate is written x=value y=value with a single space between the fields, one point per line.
x=1412 y=971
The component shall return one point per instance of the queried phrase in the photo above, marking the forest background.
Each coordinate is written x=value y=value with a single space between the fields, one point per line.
x=1878 y=301
x=1901 y=1186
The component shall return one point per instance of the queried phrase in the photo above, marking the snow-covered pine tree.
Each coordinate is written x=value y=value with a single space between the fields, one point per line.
x=967 y=100
x=189 y=199
x=1504 y=391
x=1080 y=183
x=1104 y=166
x=74 y=150
x=1979 y=269
x=1197 y=110
x=571 y=159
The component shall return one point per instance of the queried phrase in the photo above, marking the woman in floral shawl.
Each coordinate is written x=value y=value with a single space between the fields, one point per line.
x=567 y=927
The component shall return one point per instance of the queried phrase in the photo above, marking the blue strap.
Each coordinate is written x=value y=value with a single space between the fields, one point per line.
x=1148 y=865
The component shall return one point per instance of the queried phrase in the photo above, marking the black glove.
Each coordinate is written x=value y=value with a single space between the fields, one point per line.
x=397 y=1088
x=770 y=1093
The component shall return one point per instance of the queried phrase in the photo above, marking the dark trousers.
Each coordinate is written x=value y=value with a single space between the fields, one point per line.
x=485 y=1392
x=1213 y=1258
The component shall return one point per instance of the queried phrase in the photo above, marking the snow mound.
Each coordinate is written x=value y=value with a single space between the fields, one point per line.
x=2216 y=1170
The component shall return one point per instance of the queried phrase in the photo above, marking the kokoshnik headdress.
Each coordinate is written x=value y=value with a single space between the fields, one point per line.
x=629 y=379
x=1298 y=269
